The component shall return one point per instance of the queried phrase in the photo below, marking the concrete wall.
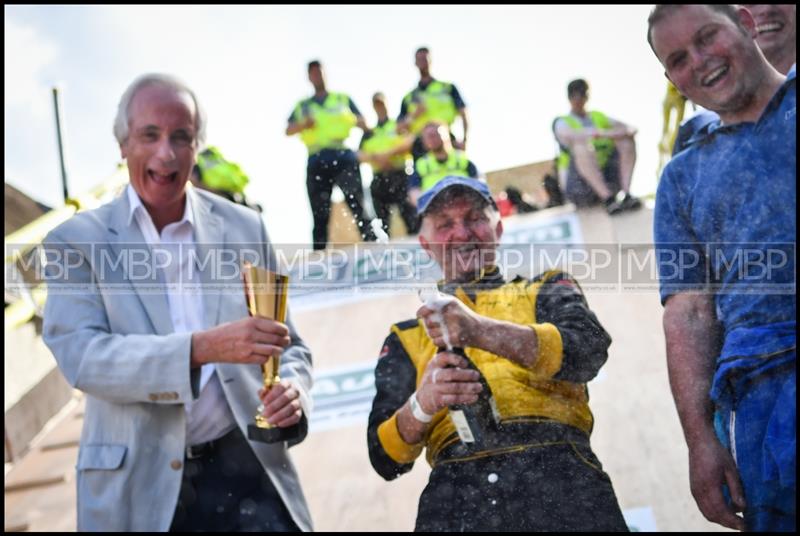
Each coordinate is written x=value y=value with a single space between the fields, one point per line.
x=34 y=389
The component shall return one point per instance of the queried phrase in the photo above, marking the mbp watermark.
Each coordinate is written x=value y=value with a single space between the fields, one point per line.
x=405 y=267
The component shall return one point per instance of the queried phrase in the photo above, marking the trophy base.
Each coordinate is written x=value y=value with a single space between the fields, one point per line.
x=272 y=435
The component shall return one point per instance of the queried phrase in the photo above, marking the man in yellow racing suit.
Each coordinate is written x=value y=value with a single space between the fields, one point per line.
x=532 y=344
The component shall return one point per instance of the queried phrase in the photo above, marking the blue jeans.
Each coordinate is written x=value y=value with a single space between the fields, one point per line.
x=761 y=433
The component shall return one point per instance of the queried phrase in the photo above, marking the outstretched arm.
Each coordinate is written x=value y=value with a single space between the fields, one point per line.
x=467 y=328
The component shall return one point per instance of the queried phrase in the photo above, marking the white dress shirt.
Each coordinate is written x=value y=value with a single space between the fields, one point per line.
x=209 y=417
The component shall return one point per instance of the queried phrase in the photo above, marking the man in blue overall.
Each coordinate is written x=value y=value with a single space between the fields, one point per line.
x=725 y=229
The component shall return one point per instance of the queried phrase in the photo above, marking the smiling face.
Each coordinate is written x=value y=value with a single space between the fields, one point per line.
x=777 y=32
x=161 y=149
x=461 y=235
x=710 y=59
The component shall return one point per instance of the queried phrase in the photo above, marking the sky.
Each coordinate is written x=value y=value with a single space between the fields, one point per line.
x=247 y=65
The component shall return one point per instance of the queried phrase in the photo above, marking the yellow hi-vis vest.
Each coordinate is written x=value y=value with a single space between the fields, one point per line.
x=332 y=122
x=431 y=171
x=438 y=102
x=603 y=147
x=220 y=174
x=384 y=139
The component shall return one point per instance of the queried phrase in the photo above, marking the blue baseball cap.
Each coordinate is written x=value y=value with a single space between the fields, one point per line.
x=478 y=186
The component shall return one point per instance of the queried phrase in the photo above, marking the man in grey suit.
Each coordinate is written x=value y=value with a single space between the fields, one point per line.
x=146 y=315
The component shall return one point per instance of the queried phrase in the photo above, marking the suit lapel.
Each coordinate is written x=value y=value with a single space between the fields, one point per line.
x=209 y=235
x=128 y=243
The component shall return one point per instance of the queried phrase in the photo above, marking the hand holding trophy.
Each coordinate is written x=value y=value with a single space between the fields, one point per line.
x=266 y=294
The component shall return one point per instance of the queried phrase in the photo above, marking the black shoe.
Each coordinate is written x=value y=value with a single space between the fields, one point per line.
x=515 y=196
x=554 y=194
x=613 y=206
x=630 y=202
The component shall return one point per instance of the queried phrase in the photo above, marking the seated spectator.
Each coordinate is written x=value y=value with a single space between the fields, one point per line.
x=598 y=154
x=440 y=161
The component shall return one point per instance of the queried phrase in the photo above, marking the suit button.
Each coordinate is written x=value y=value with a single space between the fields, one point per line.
x=176 y=464
x=153 y=397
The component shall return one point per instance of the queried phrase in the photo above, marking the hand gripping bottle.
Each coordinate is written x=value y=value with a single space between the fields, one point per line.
x=477 y=424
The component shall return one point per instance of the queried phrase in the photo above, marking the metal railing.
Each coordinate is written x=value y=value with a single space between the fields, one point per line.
x=25 y=240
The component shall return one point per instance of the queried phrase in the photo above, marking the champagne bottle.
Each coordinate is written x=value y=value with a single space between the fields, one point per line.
x=478 y=423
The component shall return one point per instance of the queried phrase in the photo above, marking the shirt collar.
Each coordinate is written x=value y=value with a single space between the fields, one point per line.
x=704 y=131
x=489 y=278
x=136 y=205
x=423 y=86
x=774 y=102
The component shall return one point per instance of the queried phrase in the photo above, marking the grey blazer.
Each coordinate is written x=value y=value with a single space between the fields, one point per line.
x=110 y=330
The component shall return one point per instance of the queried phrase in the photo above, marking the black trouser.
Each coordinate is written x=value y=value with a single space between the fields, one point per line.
x=226 y=489
x=391 y=188
x=326 y=168
x=578 y=190
x=556 y=484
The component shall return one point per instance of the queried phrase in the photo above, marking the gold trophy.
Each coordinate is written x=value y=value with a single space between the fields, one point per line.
x=266 y=294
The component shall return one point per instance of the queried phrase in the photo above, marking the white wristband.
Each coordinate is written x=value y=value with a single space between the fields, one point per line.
x=417 y=411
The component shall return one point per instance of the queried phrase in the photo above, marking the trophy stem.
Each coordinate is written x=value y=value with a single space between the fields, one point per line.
x=270 y=372
x=266 y=294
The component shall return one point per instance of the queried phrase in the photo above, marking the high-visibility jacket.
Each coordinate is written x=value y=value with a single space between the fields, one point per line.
x=385 y=138
x=333 y=120
x=603 y=147
x=220 y=174
x=438 y=102
x=431 y=171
